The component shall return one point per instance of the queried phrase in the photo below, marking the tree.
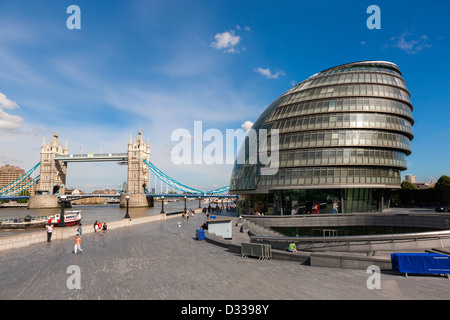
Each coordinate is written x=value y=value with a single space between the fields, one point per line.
x=443 y=182
x=407 y=185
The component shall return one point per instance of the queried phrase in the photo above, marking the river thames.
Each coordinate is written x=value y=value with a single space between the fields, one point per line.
x=91 y=213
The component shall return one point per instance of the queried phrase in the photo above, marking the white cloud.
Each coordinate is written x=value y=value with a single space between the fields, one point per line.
x=246 y=28
x=9 y=121
x=5 y=103
x=247 y=125
x=412 y=46
x=226 y=40
x=268 y=74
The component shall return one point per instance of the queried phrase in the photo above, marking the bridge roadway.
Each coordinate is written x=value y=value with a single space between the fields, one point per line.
x=161 y=261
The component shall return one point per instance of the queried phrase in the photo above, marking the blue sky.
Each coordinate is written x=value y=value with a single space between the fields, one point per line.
x=157 y=66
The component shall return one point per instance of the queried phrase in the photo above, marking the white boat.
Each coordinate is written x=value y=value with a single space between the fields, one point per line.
x=25 y=223
x=71 y=218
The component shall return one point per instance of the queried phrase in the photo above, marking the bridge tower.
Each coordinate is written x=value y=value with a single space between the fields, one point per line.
x=137 y=170
x=138 y=174
x=52 y=180
x=53 y=173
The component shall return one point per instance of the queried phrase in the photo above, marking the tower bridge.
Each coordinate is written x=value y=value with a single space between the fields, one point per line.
x=50 y=184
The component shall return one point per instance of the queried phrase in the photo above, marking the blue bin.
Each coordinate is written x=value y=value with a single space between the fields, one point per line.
x=432 y=263
x=200 y=234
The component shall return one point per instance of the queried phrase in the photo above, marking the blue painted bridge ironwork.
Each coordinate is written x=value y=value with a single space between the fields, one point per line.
x=18 y=188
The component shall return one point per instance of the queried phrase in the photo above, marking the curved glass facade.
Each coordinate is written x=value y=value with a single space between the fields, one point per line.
x=343 y=136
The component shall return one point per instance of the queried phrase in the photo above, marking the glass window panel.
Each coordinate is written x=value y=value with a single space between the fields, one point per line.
x=297 y=157
x=295 y=174
x=332 y=105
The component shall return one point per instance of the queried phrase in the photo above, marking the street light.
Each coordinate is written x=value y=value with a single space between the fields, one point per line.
x=199 y=204
x=162 y=208
x=185 y=202
x=62 y=223
x=127 y=216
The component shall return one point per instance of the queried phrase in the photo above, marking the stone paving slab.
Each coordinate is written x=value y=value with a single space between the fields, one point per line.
x=160 y=261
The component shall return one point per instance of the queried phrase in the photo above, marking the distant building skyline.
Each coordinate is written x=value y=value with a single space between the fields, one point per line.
x=10 y=173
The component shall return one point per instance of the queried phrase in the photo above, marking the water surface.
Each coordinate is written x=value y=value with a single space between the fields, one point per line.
x=92 y=213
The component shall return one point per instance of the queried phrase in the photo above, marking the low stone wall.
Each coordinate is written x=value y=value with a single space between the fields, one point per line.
x=355 y=252
x=348 y=261
x=24 y=240
x=407 y=242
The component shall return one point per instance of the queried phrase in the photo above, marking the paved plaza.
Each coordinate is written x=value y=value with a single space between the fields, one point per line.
x=161 y=261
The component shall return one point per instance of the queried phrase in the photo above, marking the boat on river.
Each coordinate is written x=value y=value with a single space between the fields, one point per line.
x=24 y=223
x=71 y=218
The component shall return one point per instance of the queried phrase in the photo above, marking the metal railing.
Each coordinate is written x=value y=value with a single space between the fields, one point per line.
x=92 y=157
x=261 y=251
x=359 y=238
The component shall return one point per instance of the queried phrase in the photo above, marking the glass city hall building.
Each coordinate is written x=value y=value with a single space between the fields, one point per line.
x=343 y=137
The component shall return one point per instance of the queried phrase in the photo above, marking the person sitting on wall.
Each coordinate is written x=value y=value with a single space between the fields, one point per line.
x=292 y=247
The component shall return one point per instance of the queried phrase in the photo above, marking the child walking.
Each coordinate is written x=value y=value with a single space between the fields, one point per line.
x=77 y=244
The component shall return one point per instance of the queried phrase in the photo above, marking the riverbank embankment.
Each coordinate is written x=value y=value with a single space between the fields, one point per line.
x=23 y=240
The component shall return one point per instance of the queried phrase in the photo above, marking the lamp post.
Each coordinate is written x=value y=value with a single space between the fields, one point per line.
x=162 y=204
x=199 y=203
x=185 y=198
x=62 y=223
x=127 y=216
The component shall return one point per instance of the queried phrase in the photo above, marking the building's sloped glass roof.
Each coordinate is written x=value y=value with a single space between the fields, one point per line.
x=364 y=106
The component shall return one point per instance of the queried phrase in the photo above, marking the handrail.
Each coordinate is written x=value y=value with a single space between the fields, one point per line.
x=91 y=155
x=318 y=216
x=376 y=237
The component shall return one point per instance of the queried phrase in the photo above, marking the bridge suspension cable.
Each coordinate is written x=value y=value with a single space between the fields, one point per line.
x=20 y=184
x=179 y=186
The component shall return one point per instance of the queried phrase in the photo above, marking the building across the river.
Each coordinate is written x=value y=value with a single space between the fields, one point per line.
x=9 y=174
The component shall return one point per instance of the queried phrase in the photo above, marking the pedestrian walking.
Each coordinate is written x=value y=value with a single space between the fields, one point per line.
x=96 y=226
x=79 y=230
x=49 y=232
x=77 y=245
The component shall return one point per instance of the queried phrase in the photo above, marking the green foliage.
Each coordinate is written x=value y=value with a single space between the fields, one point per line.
x=24 y=193
x=407 y=185
x=443 y=182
